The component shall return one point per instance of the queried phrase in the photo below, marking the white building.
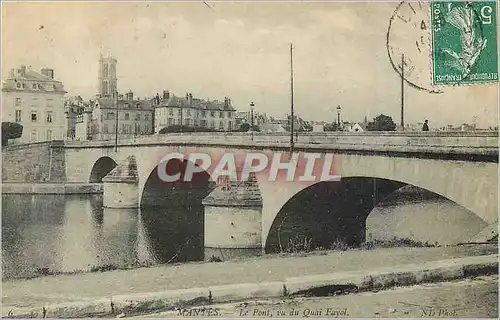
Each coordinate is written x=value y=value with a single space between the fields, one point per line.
x=171 y=110
x=36 y=101
x=357 y=127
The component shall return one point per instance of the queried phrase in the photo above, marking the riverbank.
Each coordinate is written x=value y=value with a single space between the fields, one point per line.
x=51 y=188
x=88 y=291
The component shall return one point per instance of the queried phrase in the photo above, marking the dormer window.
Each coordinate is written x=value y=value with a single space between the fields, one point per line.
x=19 y=85
x=35 y=86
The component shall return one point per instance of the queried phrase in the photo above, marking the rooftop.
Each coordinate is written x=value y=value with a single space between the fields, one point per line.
x=24 y=79
x=190 y=102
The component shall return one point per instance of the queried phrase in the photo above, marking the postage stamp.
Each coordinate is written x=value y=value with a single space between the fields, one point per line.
x=464 y=41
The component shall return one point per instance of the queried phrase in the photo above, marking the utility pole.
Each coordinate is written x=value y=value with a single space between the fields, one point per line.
x=116 y=124
x=402 y=92
x=251 y=111
x=291 y=99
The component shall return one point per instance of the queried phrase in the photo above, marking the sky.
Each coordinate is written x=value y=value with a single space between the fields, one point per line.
x=239 y=50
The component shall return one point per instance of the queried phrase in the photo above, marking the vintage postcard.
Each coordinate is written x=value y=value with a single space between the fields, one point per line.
x=238 y=159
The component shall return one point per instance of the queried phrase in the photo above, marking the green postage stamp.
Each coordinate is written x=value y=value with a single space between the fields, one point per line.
x=464 y=42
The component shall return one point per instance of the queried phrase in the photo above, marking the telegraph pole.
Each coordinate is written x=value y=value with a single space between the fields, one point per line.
x=291 y=99
x=116 y=124
x=402 y=92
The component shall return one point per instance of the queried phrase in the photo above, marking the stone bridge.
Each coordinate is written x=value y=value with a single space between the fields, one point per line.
x=461 y=167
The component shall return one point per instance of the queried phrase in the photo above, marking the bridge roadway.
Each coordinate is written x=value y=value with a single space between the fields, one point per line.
x=460 y=166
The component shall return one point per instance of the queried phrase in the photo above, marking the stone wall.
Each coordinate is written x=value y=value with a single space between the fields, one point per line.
x=34 y=162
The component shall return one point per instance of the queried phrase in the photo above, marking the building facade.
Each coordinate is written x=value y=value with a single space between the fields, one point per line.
x=74 y=107
x=171 y=110
x=36 y=101
x=135 y=117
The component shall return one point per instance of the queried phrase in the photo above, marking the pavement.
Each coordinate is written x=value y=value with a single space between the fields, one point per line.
x=472 y=298
x=163 y=287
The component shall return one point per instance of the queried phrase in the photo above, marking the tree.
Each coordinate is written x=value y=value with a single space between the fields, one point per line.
x=381 y=123
x=11 y=130
x=244 y=127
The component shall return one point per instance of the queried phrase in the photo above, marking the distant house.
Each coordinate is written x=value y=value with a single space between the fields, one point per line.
x=358 y=127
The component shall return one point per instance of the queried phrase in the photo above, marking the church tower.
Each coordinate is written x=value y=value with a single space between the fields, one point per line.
x=107 y=77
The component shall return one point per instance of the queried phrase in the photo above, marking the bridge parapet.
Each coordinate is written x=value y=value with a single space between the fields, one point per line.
x=479 y=143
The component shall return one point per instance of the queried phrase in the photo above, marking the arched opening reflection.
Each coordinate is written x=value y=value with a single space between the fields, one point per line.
x=172 y=214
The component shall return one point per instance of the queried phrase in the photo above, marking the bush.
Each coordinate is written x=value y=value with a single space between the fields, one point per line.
x=11 y=130
x=214 y=259
x=179 y=129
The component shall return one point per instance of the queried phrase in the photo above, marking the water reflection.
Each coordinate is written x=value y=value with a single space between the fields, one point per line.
x=42 y=234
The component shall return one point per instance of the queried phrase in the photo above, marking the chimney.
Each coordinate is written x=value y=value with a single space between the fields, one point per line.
x=22 y=71
x=48 y=73
x=225 y=102
x=190 y=100
x=120 y=96
x=130 y=96
x=12 y=73
x=166 y=95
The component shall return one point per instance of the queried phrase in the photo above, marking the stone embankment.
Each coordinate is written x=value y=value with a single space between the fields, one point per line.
x=426 y=265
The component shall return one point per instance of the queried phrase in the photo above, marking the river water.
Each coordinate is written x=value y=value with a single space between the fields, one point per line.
x=44 y=234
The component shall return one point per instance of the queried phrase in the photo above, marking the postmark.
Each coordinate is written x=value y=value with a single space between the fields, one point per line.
x=464 y=42
x=409 y=44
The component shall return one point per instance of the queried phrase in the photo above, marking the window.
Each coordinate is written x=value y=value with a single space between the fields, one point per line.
x=229 y=126
x=18 y=101
x=18 y=116
x=203 y=113
x=146 y=117
x=204 y=123
x=221 y=125
x=179 y=112
x=188 y=122
x=127 y=116
x=221 y=114
x=188 y=112
x=138 y=116
x=212 y=113
x=229 y=114
x=170 y=121
x=34 y=86
x=138 y=105
x=105 y=129
x=19 y=85
x=110 y=115
x=49 y=135
x=49 y=116
x=34 y=116
x=33 y=135
x=171 y=112
x=212 y=124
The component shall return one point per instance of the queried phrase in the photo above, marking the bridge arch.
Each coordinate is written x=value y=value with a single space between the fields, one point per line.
x=172 y=213
x=101 y=168
x=355 y=209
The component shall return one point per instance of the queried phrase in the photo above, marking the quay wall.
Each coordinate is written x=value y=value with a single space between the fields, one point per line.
x=35 y=162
